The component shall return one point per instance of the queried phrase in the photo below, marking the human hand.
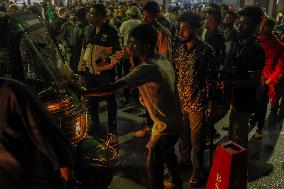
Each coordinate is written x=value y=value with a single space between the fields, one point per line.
x=268 y=81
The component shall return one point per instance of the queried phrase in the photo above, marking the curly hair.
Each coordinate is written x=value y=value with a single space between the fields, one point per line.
x=191 y=19
x=255 y=14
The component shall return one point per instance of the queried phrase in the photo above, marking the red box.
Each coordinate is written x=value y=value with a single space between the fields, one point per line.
x=229 y=169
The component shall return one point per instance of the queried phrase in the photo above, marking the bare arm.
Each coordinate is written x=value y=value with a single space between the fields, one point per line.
x=106 y=89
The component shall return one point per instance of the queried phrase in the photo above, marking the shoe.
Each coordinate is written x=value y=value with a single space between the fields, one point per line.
x=258 y=134
x=168 y=184
x=195 y=182
x=195 y=179
x=141 y=133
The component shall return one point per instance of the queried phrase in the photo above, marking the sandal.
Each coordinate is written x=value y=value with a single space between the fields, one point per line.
x=194 y=181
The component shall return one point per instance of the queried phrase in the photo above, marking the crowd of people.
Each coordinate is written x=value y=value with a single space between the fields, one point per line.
x=187 y=64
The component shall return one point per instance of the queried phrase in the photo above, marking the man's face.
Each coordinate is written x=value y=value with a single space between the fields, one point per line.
x=121 y=9
x=135 y=47
x=228 y=20
x=210 y=22
x=72 y=17
x=187 y=33
x=245 y=26
x=109 y=13
x=94 y=17
x=147 y=18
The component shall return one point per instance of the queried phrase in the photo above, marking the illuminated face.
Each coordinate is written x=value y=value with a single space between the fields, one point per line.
x=147 y=18
x=121 y=9
x=187 y=33
x=209 y=22
x=94 y=17
x=72 y=17
x=109 y=13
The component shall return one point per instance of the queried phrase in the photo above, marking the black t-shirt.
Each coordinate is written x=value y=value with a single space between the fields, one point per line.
x=107 y=36
x=250 y=57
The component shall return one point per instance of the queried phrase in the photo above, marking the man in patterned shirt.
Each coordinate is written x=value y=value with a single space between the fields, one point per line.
x=193 y=60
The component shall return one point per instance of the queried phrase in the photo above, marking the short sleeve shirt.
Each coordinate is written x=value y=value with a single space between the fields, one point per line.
x=156 y=82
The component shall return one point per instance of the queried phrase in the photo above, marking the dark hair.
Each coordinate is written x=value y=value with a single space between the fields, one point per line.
x=81 y=13
x=255 y=14
x=175 y=9
x=191 y=19
x=232 y=14
x=100 y=9
x=152 y=7
x=270 y=22
x=145 y=34
x=110 y=8
x=225 y=7
x=215 y=6
x=216 y=15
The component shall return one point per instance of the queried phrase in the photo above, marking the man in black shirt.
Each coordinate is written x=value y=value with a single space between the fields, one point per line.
x=78 y=37
x=102 y=40
x=66 y=35
x=57 y=24
x=250 y=60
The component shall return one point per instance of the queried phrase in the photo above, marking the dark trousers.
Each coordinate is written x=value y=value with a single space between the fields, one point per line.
x=93 y=81
x=262 y=101
x=122 y=69
x=238 y=126
x=126 y=69
x=163 y=153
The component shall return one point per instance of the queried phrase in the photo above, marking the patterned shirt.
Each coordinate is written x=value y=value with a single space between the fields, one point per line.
x=193 y=68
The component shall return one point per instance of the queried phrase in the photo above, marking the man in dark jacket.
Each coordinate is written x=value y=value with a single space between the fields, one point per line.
x=250 y=58
x=78 y=37
x=214 y=37
x=66 y=35
x=57 y=24
x=102 y=41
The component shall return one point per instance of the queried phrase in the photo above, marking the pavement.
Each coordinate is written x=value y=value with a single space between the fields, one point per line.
x=266 y=156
